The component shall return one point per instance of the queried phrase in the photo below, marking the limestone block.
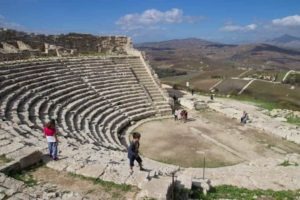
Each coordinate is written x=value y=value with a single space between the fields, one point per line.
x=26 y=156
x=13 y=185
x=184 y=181
x=281 y=119
x=138 y=178
x=57 y=165
x=203 y=184
x=73 y=167
x=94 y=170
x=199 y=105
x=156 y=188
x=13 y=166
x=187 y=102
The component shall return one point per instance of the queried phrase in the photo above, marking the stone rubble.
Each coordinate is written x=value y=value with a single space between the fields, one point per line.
x=13 y=189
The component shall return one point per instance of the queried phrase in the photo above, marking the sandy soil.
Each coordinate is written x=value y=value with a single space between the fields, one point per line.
x=223 y=140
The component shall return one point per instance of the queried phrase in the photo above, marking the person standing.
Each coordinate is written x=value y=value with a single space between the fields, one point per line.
x=133 y=151
x=51 y=136
x=176 y=115
x=244 y=117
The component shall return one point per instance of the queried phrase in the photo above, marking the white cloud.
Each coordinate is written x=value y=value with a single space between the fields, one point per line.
x=293 y=20
x=153 y=17
x=238 y=28
x=4 y=23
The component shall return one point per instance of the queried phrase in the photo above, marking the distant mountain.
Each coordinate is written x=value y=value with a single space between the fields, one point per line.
x=181 y=44
x=192 y=54
x=286 y=40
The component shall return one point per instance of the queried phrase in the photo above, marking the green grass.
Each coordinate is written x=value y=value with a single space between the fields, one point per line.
x=26 y=178
x=287 y=163
x=259 y=102
x=25 y=175
x=280 y=76
x=269 y=95
x=293 y=120
x=108 y=185
x=269 y=106
x=280 y=94
x=233 y=192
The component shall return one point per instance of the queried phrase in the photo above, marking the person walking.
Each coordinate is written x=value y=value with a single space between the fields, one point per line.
x=51 y=136
x=133 y=151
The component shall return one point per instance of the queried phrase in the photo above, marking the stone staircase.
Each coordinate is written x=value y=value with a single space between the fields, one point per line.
x=147 y=79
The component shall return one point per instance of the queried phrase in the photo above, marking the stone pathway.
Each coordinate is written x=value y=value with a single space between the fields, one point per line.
x=259 y=120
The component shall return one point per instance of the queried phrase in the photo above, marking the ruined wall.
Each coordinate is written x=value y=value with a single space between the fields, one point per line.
x=66 y=44
x=85 y=43
x=22 y=46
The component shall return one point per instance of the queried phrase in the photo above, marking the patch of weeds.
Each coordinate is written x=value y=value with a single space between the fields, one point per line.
x=269 y=146
x=293 y=120
x=25 y=175
x=233 y=192
x=268 y=105
x=26 y=178
x=4 y=159
x=287 y=163
x=108 y=185
x=148 y=198
x=261 y=141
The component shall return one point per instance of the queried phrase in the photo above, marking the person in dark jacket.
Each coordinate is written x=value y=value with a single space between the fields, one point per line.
x=244 y=117
x=133 y=151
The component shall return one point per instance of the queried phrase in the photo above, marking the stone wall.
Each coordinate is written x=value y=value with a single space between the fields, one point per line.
x=23 y=46
x=14 y=43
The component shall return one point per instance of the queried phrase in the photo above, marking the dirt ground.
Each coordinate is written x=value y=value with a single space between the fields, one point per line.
x=223 y=141
x=87 y=188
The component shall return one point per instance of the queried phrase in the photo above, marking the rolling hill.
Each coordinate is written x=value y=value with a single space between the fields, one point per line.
x=192 y=54
x=287 y=41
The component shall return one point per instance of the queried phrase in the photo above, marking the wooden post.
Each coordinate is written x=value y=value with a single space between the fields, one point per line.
x=173 y=185
x=204 y=166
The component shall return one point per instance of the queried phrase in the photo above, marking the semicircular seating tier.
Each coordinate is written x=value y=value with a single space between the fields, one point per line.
x=92 y=98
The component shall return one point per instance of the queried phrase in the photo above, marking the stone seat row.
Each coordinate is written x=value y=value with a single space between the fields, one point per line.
x=27 y=97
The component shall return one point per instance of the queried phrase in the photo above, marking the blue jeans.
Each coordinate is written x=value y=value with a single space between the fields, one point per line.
x=52 y=149
x=132 y=158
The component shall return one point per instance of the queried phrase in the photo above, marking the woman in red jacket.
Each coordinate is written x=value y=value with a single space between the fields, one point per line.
x=51 y=136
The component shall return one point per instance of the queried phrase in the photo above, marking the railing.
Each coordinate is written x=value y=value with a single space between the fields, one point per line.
x=143 y=86
x=134 y=74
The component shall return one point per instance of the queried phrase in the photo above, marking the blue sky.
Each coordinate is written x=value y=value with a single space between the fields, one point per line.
x=229 y=21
